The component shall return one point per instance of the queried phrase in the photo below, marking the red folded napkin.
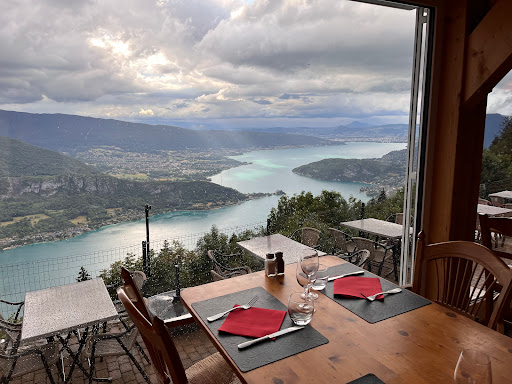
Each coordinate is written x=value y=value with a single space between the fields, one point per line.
x=253 y=322
x=353 y=286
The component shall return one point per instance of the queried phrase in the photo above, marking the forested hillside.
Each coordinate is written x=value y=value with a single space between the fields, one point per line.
x=21 y=159
x=47 y=196
x=68 y=133
x=388 y=170
x=497 y=162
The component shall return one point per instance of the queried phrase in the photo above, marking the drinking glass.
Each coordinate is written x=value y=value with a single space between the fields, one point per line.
x=308 y=263
x=300 y=308
x=321 y=278
x=473 y=367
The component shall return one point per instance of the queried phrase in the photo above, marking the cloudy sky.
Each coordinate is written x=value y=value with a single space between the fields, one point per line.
x=211 y=63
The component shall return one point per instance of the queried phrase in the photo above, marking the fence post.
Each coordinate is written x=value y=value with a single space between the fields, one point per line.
x=362 y=216
x=147 y=207
x=177 y=280
x=144 y=259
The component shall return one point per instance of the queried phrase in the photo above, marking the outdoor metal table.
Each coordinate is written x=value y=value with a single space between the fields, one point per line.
x=501 y=197
x=55 y=311
x=376 y=227
x=491 y=210
x=260 y=246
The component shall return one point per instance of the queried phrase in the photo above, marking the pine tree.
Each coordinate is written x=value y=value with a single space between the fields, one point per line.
x=83 y=275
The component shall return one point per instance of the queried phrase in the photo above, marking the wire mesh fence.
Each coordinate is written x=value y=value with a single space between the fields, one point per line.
x=17 y=279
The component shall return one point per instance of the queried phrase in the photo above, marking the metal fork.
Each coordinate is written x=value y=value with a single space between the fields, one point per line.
x=245 y=306
x=372 y=297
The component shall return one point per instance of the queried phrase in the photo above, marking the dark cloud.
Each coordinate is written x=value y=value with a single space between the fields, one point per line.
x=217 y=59
x=262 y=101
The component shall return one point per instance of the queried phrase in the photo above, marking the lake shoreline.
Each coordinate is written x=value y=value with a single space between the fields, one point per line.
x=131 y=216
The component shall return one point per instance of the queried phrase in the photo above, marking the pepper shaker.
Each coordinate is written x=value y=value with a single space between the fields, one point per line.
x=279 y=264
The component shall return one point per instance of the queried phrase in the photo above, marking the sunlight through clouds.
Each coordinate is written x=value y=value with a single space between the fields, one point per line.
x=210 y=61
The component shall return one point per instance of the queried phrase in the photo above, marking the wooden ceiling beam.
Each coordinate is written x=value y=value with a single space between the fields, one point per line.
x=489 y=53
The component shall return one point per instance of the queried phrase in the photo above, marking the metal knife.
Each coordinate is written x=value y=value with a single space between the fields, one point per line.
x=271 y=336
x=345 y=275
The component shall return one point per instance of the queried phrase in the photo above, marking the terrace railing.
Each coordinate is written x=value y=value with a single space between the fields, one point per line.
x=17 y=279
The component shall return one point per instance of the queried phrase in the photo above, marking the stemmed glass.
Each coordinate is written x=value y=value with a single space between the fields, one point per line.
x=308 y=264
x=473 y=367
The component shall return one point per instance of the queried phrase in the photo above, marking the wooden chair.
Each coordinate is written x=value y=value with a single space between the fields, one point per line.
x=379 y=253
x=143 y=304
x=308 y=236
x=462 y=275
x=221 y=271
x=343 y=243
x=164 y=355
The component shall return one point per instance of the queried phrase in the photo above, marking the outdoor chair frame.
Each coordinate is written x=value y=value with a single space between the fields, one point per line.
x=29 y=359
x=343 y=244
x=308 y=236
x=221 y=271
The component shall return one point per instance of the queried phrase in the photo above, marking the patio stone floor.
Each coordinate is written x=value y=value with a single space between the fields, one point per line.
x=192 y=346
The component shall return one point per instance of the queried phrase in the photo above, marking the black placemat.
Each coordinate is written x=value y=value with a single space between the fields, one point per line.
x=374 y=311
x=265 y=352
x=367 y=379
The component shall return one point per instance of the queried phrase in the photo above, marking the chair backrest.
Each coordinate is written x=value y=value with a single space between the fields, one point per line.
x=310 y=236
x=217 y=267
x=361 y=258
x=362 y=243
x=496 y=225
x=133 y=291
x=161 y=348
x=463 y=275
x=399 y=218
x=340 y=239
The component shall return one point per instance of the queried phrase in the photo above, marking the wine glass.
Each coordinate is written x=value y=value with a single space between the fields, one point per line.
x=308 y=263
x=473 y=367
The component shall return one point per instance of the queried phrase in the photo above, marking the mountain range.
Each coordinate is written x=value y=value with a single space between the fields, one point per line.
x=359 y=130
x=69 y=133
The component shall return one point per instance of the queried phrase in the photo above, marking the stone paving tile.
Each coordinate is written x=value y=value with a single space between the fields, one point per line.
x=192 y=346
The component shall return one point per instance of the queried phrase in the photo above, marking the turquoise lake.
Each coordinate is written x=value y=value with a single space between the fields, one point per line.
x=269 y=171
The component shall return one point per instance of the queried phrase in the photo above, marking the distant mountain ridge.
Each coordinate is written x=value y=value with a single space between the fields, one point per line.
x=69 y=133
x=358 y=130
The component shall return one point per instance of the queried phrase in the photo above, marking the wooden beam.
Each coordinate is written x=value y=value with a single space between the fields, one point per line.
x=444 y=119
x=489 y=53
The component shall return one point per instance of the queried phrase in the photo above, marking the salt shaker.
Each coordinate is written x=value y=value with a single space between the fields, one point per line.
x=279 y=264
x=270 y=265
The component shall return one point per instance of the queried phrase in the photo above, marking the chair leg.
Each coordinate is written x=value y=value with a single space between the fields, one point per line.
x=132 y=358
x=141 y=350
x=47 y=369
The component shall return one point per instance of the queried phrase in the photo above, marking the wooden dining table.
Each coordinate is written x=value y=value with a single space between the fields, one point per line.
x=419 y=346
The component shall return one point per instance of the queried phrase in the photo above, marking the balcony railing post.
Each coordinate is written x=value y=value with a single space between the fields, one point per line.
x=177 y=280
x=147 y=207
x=144 y=258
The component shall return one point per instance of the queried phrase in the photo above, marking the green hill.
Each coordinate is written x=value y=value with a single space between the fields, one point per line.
x=21 y=159
x=69 y=133
x=388 y=170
